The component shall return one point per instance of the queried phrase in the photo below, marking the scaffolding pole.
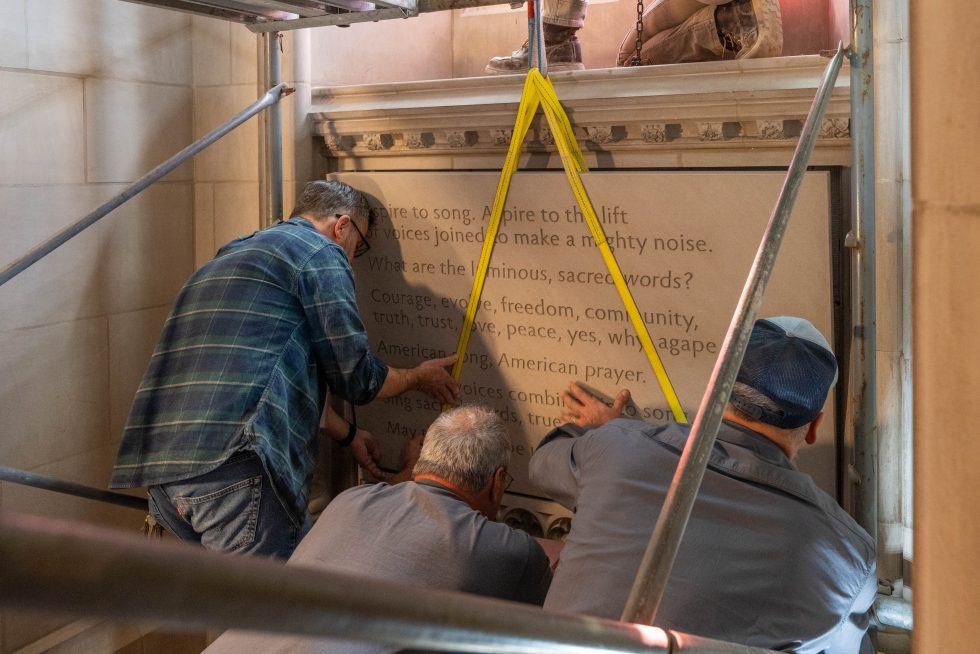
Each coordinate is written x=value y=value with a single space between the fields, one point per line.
x=271 y=97
x=651 y=580
x=271 y=200
x=73 y=567
x=865 y=332
x=34 y=480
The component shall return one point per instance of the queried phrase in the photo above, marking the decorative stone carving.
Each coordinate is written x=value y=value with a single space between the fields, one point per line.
x=374 y=141
x=654 y=133
x=415 y=141
x=500 y=136
x=709 y=131
x=835 y=128
x=770 y=129
x=456 y=138
x=701 y=113
x=601 y=134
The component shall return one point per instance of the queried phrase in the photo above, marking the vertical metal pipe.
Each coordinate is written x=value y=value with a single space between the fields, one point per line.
x=651 y=580
x=272 y=136
x=863 y=175
x=539 y=37
x=271 y=97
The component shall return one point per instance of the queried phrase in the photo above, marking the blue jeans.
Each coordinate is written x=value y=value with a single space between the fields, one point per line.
x=233 y=508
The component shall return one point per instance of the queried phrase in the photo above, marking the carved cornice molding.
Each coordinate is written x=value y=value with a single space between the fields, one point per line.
x=719 y=113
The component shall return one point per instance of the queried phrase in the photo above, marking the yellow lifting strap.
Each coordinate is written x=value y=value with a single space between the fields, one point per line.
x=538 y=91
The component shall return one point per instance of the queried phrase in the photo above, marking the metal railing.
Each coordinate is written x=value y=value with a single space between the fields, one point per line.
x=271 y=97
x=34 y=480
x=651 y=580
x=76 y=568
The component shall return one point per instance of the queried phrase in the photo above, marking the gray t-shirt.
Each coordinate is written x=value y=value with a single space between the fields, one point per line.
x=767 y=558
x=420 y=534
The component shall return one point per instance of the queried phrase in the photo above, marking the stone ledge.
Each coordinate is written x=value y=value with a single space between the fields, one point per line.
x=731 y=113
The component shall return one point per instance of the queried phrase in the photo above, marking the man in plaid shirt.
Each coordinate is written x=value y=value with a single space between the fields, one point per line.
x=223 y=429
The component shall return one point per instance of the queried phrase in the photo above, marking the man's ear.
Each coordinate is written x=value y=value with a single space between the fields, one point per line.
x=497 y=485
x=811 y=431
x=340 y=224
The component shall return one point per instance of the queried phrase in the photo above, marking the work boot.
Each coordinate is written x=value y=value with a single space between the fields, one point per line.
x=750 y=28
x=561 y=47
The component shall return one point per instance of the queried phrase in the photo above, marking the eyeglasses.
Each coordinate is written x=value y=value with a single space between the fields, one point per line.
x=508 y=479
x=362 y=245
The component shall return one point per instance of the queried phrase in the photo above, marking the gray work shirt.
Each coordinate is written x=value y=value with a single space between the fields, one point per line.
x=419 y=534
x=767 y=559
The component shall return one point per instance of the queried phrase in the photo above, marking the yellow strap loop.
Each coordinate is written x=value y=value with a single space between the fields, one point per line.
x=525 y=114
x=539 y=91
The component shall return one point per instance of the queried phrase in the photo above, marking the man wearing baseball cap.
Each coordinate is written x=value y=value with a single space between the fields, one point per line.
x=768 y=559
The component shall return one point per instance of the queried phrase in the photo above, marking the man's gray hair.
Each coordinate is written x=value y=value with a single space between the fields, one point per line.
x=465 y=446
x=324 y=199
x=744 y=395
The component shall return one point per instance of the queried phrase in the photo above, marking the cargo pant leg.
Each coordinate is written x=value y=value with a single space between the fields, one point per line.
x=566 y=13
x=696 y=39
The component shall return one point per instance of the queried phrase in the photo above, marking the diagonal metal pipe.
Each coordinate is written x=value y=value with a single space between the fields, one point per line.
x=34 y=480
x=63 y=566
x=271 y=97
x=658 y=559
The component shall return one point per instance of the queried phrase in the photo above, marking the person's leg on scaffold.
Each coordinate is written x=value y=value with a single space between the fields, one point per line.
x=682 y=31
x=560 y=19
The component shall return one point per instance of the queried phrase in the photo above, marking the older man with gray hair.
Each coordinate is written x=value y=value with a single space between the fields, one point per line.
x=768 y=559
x=436 y=531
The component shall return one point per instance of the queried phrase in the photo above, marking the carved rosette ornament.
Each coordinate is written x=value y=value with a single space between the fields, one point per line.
x=500 y=136
x=333 y=143
x=456 y=138
x=414 y=141
x=770 y=129
x=545 y=135
x=374 y=141
x=600 y=135
x=835 y=128
x=654 y=133
x=709 y=131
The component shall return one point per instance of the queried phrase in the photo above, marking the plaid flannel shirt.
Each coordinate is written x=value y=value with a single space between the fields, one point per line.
x=256 y=338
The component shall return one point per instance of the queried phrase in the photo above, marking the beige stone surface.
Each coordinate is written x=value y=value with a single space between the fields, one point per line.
x=234 y=157
x=236 y=211
x=212 y=51
x=136 y=257
x=576 y=329
x=204 y=245
x=151 y=249
x=890 y=287
x=58 y=405
x=132 y=338
x=109 y=39
x=162 y=116
x=41 y=128
x=414 y=49
x=244 y=55
x=13 y=34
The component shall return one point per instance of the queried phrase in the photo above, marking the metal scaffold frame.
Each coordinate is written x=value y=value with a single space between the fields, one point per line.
x=85 y=570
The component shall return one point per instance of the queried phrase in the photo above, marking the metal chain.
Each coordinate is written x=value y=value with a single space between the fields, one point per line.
x=639 y=33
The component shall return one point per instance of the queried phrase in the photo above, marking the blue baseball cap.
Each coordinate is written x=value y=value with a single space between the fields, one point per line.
x=789 y=361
